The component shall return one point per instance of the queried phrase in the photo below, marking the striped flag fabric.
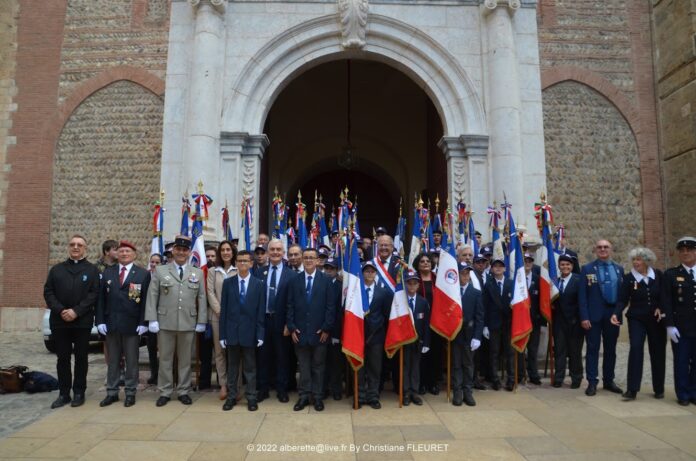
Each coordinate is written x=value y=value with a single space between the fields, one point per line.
x=199 y=216
x=356 y=303
x=401 y=328
x=521 y=325
x=548 y=291
x=415 y=237
x=446 y=313
x=157 y=230
x=247 y=220
x=185 y=213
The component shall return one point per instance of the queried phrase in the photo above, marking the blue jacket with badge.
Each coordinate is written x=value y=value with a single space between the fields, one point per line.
x=593 y=303
x=472 y=310
x=122 y=307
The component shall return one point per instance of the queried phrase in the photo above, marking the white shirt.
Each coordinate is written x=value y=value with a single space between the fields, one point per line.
x=463 y=288
x=227 y=273
x=279 y=270
x=246 y=282
x=529 y=279
x=128 y=269
x=565 y=280
x=371 y=293
x=411 y=300
x=183 y=268
x=639 y=277
x=690 y=269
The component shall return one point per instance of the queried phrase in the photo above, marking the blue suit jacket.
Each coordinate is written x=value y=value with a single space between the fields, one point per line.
x=497 y=307
x=567 y=304
x=122 y=307
x=317 y=314
x=421 y=319
x=377 y=317
x=592 y=304
x=242 y=324
x=337 y=329
x=280 y=304
x=472 y=308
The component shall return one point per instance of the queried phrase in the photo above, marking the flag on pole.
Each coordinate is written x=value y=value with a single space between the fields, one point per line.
x=548 y=291
x=158 y=228
x=185 y=213
x=416 y=232
x=461 y=223
x=247 y=222
x=300 y=226
x=324 y=236
x=401 y=328
x=521 y=325
x=199 y=217
x=356 y=304
x=399 y=236
x=446 y=314
x=226 y=228
x=494 y=224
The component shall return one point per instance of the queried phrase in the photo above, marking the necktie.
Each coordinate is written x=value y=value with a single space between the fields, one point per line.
x=691 y=273
x=309 y=288
x=122 y=277
x=461 y=290
x=181 y=273
x=272 y=290
x=411 y=304
x=562 y=285
x=242 y=291
x=369 y=297
x=500 y=287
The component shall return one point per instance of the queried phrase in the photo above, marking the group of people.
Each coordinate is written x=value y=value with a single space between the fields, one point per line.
x=277 y=311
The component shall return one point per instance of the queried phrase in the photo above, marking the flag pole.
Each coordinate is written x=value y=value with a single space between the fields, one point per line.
x=550 y=353
x=516 y=377
x=355 y=389
x=401 y=376
x=449 y=368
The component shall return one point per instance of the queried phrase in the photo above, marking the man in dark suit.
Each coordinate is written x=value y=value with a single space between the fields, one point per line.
x=679 y=299
x=497 y=296
x=420 y=311
x=376 y=318
x=388 y=265
x=532 y=272
x=467 y=340
x=599 y=291
x=568 y=335
x=482 y=369
x=310 y=317
x=335 y=358
x=242 y=318
x=273 y=356
x=121 y=318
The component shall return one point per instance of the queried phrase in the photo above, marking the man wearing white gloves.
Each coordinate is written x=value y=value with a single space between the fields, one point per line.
x=467 y=340
x=412 y=352
x=120 y=317
x=679 y=307
x=176 y=308
x=242 y=320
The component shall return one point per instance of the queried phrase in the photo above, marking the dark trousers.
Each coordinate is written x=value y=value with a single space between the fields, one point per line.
x=685 y=368
x=119 y=345
x=312 y=364
x=369 y=374
x=335 y=367
x=431 y=362
x=272 y=360
x=482 y=369
x=638 y=329
x=567 y=349
x=605 y=333
x=412 y=358
x=494 y=343
x=463 y=364
x=152 y=353
x=533 y=351
x=67 y=341
x=247 y=355
x=205 y=354
x=292 y=363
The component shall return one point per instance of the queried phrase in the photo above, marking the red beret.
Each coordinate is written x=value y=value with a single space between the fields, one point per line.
x=127 y=244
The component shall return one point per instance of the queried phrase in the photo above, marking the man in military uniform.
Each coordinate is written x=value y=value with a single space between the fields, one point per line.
x=176 y=308
x=679 y=304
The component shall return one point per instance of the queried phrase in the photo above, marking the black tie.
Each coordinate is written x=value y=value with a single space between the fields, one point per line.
x=181 y=273
x=411 y=304
x=368 y=291
x=242 y=292
x=562 y=285
x=461 y=290
x=272 y=290
x=500 y=287
x=309 y=289
x=691 y=273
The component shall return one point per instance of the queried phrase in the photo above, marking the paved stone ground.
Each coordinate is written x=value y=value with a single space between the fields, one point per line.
x=535 y=423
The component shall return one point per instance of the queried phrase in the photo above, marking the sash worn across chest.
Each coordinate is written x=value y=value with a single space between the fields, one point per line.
x=384 y=276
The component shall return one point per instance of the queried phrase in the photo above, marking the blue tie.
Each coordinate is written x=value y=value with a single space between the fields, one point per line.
x=272 y=290
x=309 y=289
x=368 y=291
x=411 y=304
x=242 y=292
x=562 y=285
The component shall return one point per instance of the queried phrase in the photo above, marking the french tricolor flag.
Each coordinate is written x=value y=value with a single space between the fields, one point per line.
x=401 y=328
x=415 y=237
x=446 y=314
x=356 y=303
x=521 y=326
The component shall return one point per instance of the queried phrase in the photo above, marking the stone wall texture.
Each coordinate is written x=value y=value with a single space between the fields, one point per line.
x=593 y=175
x=674 y=25
x=106 y=170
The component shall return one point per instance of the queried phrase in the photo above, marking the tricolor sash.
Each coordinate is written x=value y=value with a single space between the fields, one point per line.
x=386 y=279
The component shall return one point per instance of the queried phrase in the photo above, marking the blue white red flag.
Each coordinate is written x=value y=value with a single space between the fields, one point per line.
x=401 y=328
x=521 y=324
x=356 y=304
x=157 y=230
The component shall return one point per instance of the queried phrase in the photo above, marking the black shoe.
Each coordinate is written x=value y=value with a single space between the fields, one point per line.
x=479 y=385
x=162 y=401
x=591 y=389
x=60 y=401
x=230 y=402
x=458 y=398
x=185 y=399
x=628 y=395
x=692 y=400
x=683 y=403
x=78 y=400
x=152 y=380
x=407 y=400
x=421 y=390
x=416 y=400
x=575 y=385
x=557 y=384
x=469 y=399
x=252 y=406
x=659 y=395
x=319 y=405
x=535 y=380
x=375 y=404
x=130 y=401
x=612 y=387
x=510 y=386
x=283 y=397
x=300 y=404
x=337 y=395
x=108 y=400
x=261 y=396
x=435 y=390
x=496 y=385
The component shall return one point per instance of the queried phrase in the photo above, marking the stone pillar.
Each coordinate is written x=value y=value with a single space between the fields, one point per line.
x=504 y=105
x=467 y=170
x=240 y=176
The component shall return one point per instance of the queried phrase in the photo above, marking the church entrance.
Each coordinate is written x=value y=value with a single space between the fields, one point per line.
x=358 y=124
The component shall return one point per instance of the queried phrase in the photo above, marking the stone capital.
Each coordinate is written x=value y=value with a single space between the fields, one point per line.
x=218 y=5
x=464 y=146
x=243 y=144
x=512 y=5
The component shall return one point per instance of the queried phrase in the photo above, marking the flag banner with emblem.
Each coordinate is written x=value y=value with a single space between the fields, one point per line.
x=494 y=219
x=521 y=324
x=300 y=225
x=398 y=237
x=247 y=221
x=157 y=230
x=324 y=236
x=415 y=235
x=461 y=223
x=401 y=328
x=548 y=291
x=199 y=216
x=226 y=228
x=185 y=213
x=356 y=303
x=446 y=313
x=473 y=243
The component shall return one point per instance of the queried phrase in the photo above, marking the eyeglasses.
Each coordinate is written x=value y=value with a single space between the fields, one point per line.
x=602 y=247
x=309 y=258
x=243 y=261
x=76 y=245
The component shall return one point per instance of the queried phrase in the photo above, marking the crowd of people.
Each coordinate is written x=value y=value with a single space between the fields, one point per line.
x=271 y=319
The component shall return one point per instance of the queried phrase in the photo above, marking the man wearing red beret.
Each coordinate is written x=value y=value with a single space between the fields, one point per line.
x=121 y=318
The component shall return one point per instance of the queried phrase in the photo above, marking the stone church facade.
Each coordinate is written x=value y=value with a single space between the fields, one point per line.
x=102 y=102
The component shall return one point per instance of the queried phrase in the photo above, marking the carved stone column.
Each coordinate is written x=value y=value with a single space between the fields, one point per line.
x=467 y=169
x=504 y=103
x=240 y=176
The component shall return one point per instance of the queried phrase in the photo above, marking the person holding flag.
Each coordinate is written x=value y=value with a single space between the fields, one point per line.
x=568 y=335
x=533 y=284
x=497 y=295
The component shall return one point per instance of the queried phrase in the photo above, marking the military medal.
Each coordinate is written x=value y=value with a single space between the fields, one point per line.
x=680 y=279
x=193 y=278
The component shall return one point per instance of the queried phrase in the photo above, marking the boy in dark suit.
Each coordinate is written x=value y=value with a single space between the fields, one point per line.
x=567 y=332
x=242 y=317
x=412 y=352
x=497 y=296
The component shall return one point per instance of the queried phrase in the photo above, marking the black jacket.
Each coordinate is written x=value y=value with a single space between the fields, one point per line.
x=72 y=285
x=377 y=317
x=122 y=307
x=497 y=307
x=567 y=304
x=678 y=299
x=337 y=329
x=242 y=324
x=472 y=309
x=316 y=314
x=642 y=300
x=280 y=301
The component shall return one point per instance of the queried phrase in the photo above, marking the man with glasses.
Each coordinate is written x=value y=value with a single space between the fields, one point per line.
x=310 y=316
x=600 y=281
x=71 y=291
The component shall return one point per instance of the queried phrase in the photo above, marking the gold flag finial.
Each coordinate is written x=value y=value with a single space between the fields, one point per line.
x=437 y=202
x=200 y=187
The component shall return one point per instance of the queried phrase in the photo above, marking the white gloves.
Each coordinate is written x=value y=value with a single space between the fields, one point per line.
x=153 y=326
x=200 y=328
x=141 y=330
x=486 y=333
x=673 y=334
x=260 y=343
x=335 y=341
x=223 y=343
x=425 y=350
x=101 y=328
x=475 y=344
